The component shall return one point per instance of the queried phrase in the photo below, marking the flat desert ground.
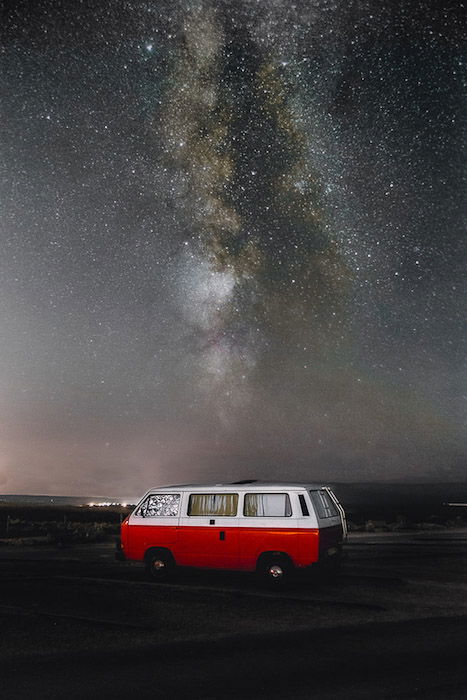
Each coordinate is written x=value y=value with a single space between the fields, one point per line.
x=78 y=624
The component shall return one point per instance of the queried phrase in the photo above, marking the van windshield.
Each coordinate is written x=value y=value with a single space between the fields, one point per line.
x=159 y=504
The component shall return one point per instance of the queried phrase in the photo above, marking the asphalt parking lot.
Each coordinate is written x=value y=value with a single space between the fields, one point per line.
x=76 y=623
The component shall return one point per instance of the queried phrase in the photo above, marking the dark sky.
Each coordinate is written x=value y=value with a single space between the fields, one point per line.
x=232 y=242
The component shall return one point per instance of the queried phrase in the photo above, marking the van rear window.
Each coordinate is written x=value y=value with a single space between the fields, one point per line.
x=323 y=504
x=213 y=504
x=159 y=504
x=267 y=505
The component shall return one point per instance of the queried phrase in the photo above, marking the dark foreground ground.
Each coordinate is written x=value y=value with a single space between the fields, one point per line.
x=76 y=624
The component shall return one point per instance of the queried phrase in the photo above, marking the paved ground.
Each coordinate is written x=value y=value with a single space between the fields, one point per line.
x=77 y=624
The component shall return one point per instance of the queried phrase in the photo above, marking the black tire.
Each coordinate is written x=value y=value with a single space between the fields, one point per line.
x=275 y=570
x=159 y=565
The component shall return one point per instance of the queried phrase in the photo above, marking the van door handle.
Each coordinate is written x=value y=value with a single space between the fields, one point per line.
x=222 y=535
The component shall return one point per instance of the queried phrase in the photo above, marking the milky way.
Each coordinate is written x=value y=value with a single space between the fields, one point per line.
x=232 y=243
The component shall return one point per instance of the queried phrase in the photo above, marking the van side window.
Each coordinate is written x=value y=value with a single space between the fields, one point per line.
x=159 y=504
x=323 y=504
x=220 y=504
x=303 y=504
x=267 y=504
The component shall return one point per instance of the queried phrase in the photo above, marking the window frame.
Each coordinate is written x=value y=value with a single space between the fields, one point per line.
x=320 y=508
x=138 y=508
x=212 y=514
x=269 y=493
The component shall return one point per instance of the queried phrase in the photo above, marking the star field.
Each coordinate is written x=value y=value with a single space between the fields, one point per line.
x=232 y=242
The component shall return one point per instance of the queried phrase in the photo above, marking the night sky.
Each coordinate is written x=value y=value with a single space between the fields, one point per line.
x=232 y=242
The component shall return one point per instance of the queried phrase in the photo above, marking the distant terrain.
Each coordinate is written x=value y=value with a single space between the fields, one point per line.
x=62 y=500
x=369 y=506
x=35 y=523
x=409 y=502
x=367 y=495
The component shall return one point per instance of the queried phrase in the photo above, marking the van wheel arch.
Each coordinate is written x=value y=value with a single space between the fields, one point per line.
x=159 y=563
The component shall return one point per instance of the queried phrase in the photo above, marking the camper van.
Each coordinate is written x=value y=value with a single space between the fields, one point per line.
x=270 y=528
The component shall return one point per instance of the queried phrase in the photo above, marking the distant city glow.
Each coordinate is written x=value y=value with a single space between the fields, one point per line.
x=106 y=504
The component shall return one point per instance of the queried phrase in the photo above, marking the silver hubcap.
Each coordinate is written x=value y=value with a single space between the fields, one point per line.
x=158 y=564
x=275 y=571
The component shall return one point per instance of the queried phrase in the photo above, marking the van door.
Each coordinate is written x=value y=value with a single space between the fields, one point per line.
x=153 y=523
x=208 y=531
x=267 y=524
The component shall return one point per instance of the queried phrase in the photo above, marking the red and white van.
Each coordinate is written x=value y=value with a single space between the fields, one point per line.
x=271 y=528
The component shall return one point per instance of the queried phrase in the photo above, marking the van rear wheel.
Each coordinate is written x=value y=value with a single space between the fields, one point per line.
x=274 y=570
x=159 y=566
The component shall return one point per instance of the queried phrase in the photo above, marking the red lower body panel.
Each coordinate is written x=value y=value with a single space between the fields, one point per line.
x=223 y=547
x=137 y=539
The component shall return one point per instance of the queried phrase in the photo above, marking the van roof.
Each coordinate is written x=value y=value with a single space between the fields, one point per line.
x=245 y=484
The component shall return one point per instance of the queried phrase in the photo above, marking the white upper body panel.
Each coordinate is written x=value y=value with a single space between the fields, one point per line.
x=243 y=486
x=302 y=511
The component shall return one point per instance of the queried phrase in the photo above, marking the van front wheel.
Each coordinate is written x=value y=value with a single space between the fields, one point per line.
x=159 y=566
